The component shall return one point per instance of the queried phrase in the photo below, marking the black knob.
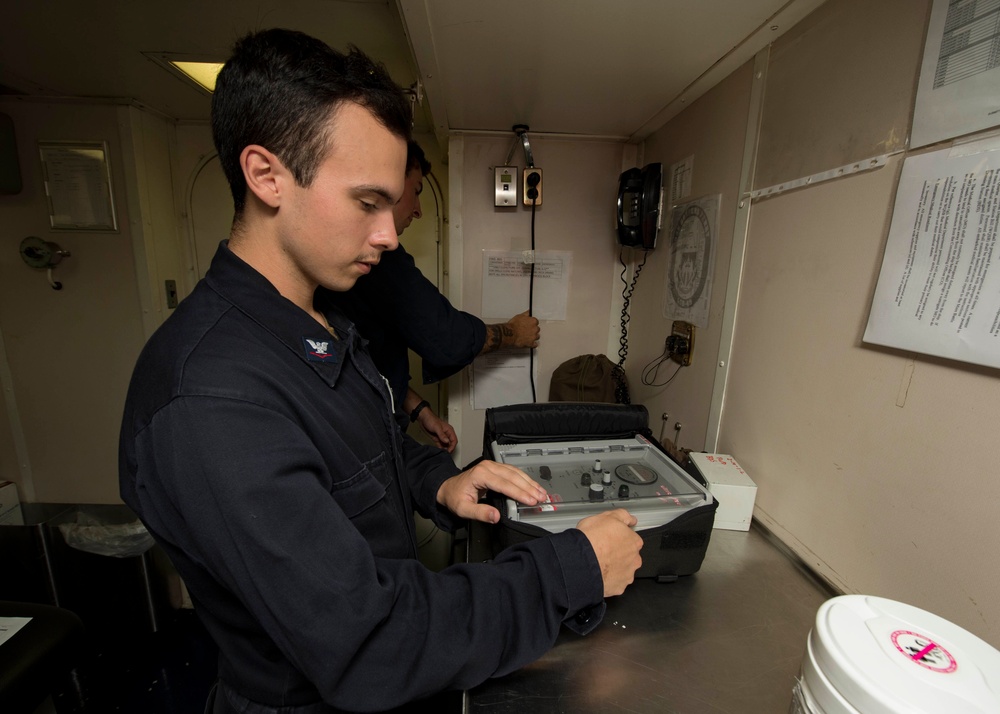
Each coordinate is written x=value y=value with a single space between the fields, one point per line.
x=596 y=492
x=585 y=480
x=545 y=472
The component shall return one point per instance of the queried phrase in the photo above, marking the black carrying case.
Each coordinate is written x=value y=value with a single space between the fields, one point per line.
x=674 y=549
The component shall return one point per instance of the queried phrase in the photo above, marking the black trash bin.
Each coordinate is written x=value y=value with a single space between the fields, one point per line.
x=119 y=591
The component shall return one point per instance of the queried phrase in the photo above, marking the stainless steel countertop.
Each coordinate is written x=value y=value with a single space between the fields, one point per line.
x=728 y=639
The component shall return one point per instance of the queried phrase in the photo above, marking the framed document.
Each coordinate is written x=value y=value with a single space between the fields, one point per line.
x=78 y=185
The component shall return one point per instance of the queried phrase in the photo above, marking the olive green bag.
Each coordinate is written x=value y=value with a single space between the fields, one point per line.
x=589 y=378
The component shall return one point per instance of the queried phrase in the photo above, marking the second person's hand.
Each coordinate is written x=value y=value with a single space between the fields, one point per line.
x=616 y=546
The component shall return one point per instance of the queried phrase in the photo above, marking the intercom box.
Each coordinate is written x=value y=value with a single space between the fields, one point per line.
x=675 y=512
x=732 y=486
x=10 y=505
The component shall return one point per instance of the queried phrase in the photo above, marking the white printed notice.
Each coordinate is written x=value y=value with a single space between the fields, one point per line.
x=507 y=279
x=939 y=288
x=959 y=88
x=501 y=378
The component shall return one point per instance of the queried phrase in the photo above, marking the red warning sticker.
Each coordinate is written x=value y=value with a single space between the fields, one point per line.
x=924 y=651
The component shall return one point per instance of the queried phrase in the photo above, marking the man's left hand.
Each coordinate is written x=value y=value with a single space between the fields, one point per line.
x=438 y=429
x=460 y=494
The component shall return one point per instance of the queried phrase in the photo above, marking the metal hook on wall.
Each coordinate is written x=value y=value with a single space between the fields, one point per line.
x=521 y=137
x=43 y=255
x=415 y=93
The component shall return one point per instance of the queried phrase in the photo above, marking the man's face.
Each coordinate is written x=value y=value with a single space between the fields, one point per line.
x=335 y=229
x=408 y=207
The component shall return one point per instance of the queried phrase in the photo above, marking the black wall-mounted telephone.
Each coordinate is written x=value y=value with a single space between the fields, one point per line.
x=640 y=202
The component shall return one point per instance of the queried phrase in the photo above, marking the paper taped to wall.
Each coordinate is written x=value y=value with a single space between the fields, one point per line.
x=938 y=290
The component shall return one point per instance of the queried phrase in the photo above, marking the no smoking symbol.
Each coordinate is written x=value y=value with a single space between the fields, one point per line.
x=924 y=651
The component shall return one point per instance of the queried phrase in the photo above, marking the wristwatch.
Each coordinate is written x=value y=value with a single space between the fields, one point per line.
x=417 y=409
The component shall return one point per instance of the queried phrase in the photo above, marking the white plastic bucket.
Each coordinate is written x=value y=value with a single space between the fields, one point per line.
x=869 y=655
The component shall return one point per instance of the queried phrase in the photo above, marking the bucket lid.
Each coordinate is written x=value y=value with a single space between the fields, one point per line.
x=886 y=657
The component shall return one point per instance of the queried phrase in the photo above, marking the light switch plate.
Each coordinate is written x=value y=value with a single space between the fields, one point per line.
x=506 y=185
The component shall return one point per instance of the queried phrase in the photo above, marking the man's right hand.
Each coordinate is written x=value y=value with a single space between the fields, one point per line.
x=616 y=545
x=524 y=330
x=519 y=331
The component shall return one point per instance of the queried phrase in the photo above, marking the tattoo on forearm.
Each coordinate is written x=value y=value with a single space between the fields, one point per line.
x=493 y=338
x=497 y=336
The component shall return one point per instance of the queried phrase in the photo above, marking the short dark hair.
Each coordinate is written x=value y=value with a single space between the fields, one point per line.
x=415 y=159
x=277 y=90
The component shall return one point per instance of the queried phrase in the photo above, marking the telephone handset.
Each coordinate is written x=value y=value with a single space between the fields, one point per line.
x=640 y=203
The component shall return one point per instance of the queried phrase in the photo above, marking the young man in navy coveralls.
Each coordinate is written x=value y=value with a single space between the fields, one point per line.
x=259 y=446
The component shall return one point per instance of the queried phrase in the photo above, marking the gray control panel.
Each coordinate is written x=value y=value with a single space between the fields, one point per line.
x=586 y=477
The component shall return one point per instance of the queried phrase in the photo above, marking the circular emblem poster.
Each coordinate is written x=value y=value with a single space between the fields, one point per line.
x=692 y=261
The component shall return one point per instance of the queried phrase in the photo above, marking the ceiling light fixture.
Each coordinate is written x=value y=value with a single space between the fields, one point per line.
x=198 y=71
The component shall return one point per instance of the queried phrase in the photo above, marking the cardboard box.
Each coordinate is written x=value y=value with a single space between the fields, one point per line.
x=731 y=486
x=10 y=505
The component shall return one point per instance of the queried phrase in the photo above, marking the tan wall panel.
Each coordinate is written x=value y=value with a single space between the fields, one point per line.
x=876 y=466
x=579 y=190
x=884 y=484
x=840 y=87
x=712 y=131
x=70 y=352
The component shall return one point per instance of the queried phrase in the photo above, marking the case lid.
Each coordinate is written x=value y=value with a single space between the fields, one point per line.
x=886 y=657
x=586 y=477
